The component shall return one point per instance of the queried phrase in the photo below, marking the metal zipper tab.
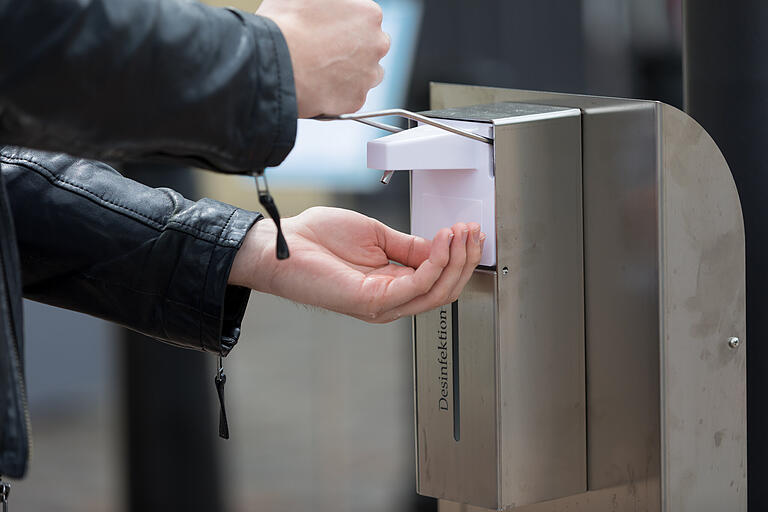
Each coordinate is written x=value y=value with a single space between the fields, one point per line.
x=5 y=490
x=220 y=380
x=266 y=200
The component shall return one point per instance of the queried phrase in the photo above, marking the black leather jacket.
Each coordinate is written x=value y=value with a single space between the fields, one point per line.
x=128 y=80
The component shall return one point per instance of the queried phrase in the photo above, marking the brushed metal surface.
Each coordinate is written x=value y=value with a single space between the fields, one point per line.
x=464 y=470
x=541 y=308
x=633 y=497
x=522 y=384
x=493 y=112
x=620 y=166
x=621 y=248
x=621 y=275
x=664 y=283
x=703 y=398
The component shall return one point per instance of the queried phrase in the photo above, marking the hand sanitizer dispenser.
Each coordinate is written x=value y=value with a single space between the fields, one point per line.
x=596 y=359
x=500 y=390
x=453 y=177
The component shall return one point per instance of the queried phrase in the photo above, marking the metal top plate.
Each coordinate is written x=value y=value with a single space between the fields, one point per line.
x=493 y=111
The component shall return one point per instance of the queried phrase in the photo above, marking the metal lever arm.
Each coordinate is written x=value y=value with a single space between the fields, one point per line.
x=362 y=117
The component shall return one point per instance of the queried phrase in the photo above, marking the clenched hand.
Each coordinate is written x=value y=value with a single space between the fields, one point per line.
x=335 y=48
x=342 y=260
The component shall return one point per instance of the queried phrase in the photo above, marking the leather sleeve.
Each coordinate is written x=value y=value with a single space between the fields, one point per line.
x=96 y=242
x=146 y=79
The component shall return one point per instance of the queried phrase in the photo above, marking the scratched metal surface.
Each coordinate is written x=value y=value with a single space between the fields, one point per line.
x=664 y=290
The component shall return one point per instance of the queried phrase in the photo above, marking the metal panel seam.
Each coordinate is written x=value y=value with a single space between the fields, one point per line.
x=497 y=348
x=584 y=294
x=661 y=262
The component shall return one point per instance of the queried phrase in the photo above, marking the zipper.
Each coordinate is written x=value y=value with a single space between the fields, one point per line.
x=17 y=360
x=282 y=252
x=7 y=254
x=268 y=202
x=5 y=490
x=219 y=381
x=23 y=397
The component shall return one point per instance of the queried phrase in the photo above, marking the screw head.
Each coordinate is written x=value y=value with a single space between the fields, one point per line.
x=734 y=342
x=505 y=271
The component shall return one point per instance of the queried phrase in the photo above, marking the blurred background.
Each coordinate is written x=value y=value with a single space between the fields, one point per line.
x=320 y=405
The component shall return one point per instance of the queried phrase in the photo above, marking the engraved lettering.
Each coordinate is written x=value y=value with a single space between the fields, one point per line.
x=442 y=360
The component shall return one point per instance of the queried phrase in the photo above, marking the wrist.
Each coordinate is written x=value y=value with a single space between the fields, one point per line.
x=292 y=38
x=254 y=261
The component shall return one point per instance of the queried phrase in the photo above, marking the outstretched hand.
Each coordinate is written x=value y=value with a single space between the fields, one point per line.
x=343 y=261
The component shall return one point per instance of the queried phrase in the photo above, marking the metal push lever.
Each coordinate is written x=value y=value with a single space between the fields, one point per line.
x=363 y=117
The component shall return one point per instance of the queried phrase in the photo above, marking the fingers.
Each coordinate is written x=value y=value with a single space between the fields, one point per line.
x=387 y=44
x=403 y=248
x=377 y=13
x=386 y=294
x=475 y=243
x=380 y=51
x=441 y=292
x=379 y=76
x=448 y=282
x=465 y=254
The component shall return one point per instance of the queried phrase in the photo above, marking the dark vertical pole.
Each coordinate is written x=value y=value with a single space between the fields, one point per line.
x=726 y=90
x=526 y=45
x=170 y=422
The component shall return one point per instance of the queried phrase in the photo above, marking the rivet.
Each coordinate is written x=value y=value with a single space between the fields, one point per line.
x=505 y=271
x=734 y=342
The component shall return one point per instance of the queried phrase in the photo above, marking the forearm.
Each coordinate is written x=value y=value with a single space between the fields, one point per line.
x=93 y=241
x=146 y=79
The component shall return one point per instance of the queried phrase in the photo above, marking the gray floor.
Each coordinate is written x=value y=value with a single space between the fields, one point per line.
x=320 y=406
x=321 y=411
x=72 y=391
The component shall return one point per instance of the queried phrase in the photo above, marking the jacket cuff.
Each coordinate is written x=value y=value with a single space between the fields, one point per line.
x=275 y=101
x=222 y=306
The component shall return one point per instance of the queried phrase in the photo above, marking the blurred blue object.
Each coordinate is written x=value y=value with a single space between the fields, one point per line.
x=331 y=154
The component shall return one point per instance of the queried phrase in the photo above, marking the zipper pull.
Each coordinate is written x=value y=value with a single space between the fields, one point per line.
x=266 y=200
x=5 y=490
x=220 y=380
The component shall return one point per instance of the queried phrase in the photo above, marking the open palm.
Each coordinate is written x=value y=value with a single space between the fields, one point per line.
x=346 y=262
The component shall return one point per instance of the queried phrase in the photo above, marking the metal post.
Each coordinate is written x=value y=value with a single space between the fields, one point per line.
x=169 y=418
x=726 y=90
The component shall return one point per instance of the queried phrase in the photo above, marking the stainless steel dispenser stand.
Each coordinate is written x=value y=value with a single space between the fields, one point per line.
x=600 y=364
x=483 y=365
